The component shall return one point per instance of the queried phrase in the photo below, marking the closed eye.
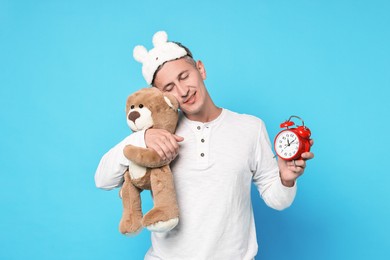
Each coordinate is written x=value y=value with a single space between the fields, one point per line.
x=183 y=76
x=168 y=87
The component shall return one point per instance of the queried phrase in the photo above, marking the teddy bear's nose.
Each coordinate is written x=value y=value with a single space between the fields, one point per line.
x=134 y=115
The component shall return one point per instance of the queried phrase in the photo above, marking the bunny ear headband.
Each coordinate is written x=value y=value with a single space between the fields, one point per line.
x=163 y=51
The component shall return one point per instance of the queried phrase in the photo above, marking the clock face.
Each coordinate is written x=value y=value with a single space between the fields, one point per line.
x=287 y=144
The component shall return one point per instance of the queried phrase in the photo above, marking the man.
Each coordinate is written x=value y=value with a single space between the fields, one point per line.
x=221 y=154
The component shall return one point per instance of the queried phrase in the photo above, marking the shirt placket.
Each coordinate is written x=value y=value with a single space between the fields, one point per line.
x=202 y=133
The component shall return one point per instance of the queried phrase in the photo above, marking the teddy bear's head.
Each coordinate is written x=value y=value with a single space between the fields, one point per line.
x=150 y=108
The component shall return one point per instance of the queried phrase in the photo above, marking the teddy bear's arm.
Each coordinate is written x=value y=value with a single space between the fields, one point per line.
x=146 y=157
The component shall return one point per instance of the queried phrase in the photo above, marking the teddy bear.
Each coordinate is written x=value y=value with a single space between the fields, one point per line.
x=149 y=108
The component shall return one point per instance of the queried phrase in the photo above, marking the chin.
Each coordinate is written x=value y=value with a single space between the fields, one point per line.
x=191 y=111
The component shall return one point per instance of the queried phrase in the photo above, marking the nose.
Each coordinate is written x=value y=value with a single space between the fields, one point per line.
x=134 y=115
x=183 y=90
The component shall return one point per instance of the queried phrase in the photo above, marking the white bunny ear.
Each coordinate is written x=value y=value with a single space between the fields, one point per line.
x=160 y=38
x=140 y=53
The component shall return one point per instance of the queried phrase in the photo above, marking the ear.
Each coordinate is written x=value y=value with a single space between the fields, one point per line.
x=127 y=108
x=201 y=69
x=159 y=38
x=171 y=101
x=140 y=53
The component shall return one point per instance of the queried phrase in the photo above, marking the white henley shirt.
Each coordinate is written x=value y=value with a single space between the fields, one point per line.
x=213 y=172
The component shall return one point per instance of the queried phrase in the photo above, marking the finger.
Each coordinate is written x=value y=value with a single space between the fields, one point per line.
x=159 y=151
x=296 y=169
x=298 y=163
x=171 y=144
x=307 y=155
x=311 y=142
x=294 y=165
x=290 y=164
x=167 y=148
x=174 y=144
x=178 y=138
x=302 y=164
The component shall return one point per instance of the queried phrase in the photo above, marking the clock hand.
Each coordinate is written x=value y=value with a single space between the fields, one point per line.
x=284 y=148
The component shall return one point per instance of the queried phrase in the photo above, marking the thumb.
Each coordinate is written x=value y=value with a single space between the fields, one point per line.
x=178 y=138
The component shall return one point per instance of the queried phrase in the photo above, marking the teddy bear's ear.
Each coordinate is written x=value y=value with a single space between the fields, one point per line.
x=171 y=101
x=140 y=53
x=160 y=38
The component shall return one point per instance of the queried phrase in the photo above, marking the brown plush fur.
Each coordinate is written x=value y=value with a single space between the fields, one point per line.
x=158 y=176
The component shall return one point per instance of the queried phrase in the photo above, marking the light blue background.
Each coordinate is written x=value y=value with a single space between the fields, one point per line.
x=66 y=69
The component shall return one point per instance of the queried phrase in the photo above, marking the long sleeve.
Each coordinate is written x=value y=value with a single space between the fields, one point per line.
x=109 y=173
x=266 y=175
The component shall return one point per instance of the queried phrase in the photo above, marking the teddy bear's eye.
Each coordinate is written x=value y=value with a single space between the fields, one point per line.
x=141 y=106
x=132 y=107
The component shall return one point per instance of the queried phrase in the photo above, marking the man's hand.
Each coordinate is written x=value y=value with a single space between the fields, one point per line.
x=291 y=170
x=163 y=142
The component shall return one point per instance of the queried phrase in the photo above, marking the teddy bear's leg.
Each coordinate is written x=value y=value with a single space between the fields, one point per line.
x=144 y=156
x=130 y=223
x=165 y=214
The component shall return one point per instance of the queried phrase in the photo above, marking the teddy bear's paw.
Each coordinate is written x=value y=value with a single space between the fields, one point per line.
x=130 y=227
x=133 y=234
x=163 y=226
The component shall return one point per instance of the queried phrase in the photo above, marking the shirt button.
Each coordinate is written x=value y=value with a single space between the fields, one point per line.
x=202 y=140
x=198 y=127
x=202 y=154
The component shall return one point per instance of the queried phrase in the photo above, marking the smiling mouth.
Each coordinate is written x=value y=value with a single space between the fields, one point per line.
x=190 y=99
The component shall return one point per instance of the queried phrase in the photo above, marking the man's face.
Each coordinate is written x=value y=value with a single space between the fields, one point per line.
x=184 y=80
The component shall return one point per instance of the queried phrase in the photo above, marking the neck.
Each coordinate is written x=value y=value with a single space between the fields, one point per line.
x=208 y=114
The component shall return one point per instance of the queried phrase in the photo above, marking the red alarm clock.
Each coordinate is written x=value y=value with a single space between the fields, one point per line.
x=290 y=143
